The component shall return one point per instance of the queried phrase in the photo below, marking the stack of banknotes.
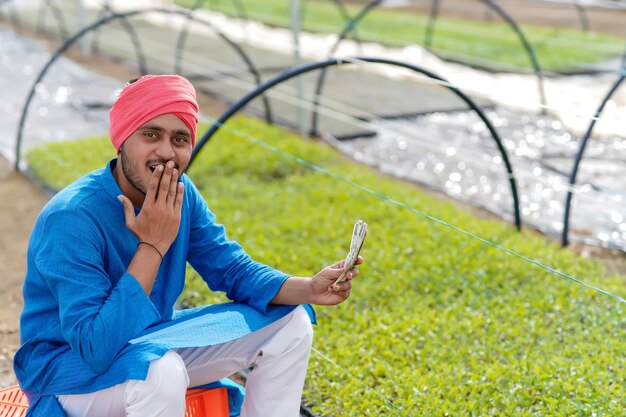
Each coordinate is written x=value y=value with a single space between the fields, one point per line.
x=358 y=237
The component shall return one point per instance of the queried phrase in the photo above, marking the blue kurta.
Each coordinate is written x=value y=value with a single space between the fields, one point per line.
x=88 y=325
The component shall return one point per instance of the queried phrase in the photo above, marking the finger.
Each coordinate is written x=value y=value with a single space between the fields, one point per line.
x=164 y=184
x=341 y=287
x=129 y=212
x=338 y=264
x=342 y=295
x=180 y=191
x=171 y=195
x=153 y=184
x=352 y=273
x=359 y=260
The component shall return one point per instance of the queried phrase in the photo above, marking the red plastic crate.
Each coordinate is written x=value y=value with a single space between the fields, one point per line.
x=207 y=402
x=13 y=402
x=202 y=402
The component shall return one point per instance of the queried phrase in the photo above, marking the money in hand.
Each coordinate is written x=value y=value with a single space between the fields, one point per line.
x=358 y=236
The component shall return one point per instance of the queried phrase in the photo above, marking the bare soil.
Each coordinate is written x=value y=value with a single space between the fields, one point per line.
x=538 y=12
x=20 y=203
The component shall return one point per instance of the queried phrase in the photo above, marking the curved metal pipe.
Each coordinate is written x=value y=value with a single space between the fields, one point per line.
x=319 y=85
x=241 y=11
x=582 y=14
x=67 y=44
x=58 y=16
x=430 y=30
x=132 y=34
x=579 y=157
x=302 y=69
x=430 y=27
x=182 y=38
x=15 y=21
x=530 y=51
x=180 y=47
x=343 y=11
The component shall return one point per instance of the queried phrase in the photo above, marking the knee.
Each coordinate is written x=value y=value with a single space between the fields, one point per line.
x=167 y=376
x=162 y=392
x=301 y=328
x=294 y=336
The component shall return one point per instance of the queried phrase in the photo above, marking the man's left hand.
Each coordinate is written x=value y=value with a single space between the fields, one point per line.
x=323 y=287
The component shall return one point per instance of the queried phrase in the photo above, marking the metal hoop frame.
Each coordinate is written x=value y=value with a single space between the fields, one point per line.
x=303 y=69
x=72 y=40
x=530 y=51
x=579 y=156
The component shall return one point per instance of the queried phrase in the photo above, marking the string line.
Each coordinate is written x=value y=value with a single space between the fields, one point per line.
x=392 y=201
x=367 y=387
x=388 y=402
x=403 y=205
x=336 y=111
x=333 y=109
x=246 y=86
x=581 y=43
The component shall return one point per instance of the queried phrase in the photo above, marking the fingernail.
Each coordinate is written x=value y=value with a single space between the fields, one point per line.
x=159 y=168
x=170 y=164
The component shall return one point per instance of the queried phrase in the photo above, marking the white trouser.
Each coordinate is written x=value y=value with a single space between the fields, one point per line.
x=278 y=355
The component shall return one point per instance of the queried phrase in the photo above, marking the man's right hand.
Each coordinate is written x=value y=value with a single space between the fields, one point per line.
x=159 y=219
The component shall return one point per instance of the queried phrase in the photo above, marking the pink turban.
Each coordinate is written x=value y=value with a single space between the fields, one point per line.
x=149 y=97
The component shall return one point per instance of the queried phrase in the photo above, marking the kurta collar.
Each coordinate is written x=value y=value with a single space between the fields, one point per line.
x=108 y=181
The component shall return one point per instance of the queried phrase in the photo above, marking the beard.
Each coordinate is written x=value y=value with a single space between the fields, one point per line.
x=130 y=172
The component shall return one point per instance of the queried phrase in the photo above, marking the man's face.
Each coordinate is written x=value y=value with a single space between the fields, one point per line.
x=164 y=138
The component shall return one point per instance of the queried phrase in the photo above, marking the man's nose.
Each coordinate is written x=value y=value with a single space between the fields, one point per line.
x=165 y=149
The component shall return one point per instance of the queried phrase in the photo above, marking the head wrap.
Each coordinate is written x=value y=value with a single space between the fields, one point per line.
x=149 y=97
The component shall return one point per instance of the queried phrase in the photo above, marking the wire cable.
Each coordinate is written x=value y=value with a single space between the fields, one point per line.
x=392 y=201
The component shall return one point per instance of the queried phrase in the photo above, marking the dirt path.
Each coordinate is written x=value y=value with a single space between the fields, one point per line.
x=20 y=203
x=542 y=13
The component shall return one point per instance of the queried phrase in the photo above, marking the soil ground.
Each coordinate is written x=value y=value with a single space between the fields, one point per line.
x=20 y=203
x=22 y=199
x=537 y=12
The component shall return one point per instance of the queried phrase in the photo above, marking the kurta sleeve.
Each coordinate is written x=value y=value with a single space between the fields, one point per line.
x=99 y=314
x=222 y=262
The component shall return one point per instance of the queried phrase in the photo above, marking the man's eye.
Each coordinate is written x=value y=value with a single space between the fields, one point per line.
x=181 y=139
x=150 y=134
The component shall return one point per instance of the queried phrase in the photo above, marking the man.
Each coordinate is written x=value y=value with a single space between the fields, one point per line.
x=106 y=263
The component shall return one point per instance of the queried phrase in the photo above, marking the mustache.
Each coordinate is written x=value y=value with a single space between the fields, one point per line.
x=162 y=161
